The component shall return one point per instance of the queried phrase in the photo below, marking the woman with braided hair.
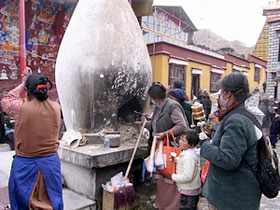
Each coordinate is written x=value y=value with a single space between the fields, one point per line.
x=35 y=179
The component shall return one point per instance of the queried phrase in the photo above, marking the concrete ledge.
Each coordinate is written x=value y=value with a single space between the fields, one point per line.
x=79 y=179
x=86 y=168
x=95 y=156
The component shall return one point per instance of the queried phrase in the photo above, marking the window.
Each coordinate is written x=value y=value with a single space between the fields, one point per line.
x=177 y=72
x=214 y=82
x=257 y=74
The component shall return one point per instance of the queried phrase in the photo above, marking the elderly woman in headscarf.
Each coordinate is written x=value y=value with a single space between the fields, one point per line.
x=35 y=179
x=178 y=95
x=231 y=183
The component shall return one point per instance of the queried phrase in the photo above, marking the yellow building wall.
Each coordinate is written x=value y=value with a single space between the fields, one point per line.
x=188 y=84
x=204 y=77
x=253 y=84
x=229 y=69
x=160 y=66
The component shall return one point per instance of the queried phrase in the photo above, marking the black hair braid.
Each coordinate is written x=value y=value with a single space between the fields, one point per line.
x=157 y=91
x=32 y=83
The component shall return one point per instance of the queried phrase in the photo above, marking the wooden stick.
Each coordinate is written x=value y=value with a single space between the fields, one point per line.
x=135 y=149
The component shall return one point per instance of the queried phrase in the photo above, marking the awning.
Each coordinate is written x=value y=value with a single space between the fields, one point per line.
x=237 y=68
x=142 y=7
x=245 y=73
x=178 y=62
x=217 y=71
x=196 y=71
x=258 y=66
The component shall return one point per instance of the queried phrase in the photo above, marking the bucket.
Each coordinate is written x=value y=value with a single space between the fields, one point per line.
x=114 y=137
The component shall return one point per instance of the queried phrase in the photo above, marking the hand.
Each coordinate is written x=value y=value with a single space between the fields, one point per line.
x=149 y=116
x=172 y=156
x=202 y=136
x=200 y=124
x=25 y=74
x=160 y=136
x=138 y=123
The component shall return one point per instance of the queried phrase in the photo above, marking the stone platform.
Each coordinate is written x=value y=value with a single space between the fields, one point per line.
x=86 y=168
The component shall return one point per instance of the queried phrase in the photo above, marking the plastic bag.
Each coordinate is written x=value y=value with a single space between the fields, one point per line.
x=149 y=161
x=159 y=159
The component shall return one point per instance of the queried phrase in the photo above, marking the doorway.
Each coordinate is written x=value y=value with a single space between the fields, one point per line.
x=195 y=85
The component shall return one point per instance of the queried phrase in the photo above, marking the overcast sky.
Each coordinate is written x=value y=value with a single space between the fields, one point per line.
x=231 y=19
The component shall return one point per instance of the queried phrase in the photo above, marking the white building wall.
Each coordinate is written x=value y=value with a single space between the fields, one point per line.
x=273 y=48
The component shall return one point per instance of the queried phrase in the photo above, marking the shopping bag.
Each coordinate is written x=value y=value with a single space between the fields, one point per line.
x=159 y=159
x=150 y=160
x=166 y=150
x=204 y=171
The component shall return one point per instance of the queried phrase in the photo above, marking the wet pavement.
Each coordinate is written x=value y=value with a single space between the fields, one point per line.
x=145 y=194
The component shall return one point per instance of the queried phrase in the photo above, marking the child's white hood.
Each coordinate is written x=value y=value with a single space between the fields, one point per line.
x=192 y=152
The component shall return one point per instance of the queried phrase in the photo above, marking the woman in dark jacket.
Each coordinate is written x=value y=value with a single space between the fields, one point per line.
x=231 y=183
x=168 y=116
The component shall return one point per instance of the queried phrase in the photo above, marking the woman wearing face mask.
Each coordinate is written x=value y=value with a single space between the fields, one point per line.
x=168 y=115
x=231 y=183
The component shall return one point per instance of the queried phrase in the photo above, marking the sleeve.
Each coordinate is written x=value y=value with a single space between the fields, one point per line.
x=233 y=145
x=12 y=102
x=188 y=171
x=180 y=124
x=148 y=125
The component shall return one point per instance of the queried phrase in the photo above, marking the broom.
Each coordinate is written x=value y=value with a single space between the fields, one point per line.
x=126 y=194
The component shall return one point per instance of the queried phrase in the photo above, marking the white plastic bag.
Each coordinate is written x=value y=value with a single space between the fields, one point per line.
x=149 y=161
x=159 y=161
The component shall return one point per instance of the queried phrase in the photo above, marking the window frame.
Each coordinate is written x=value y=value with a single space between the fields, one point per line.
x=214 y=83
x=177 y=72
x=257 y=74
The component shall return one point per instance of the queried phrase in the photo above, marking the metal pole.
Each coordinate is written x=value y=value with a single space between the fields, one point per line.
x=22 y=52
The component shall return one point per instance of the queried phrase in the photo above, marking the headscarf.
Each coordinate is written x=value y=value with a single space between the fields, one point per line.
x=178 y=94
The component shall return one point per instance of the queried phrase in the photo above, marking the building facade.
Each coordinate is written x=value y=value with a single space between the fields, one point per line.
x=169 y=36
x=272 y=13
x=168 y=32
x=261 y=48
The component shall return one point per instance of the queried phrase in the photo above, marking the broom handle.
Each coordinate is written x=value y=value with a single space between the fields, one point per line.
x=135 y=149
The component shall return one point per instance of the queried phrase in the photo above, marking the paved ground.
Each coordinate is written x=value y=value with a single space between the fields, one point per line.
x=145 y=194
x=5 y=165
x=72 y=201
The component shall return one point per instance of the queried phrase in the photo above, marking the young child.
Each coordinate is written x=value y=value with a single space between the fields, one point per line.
x=187 y=175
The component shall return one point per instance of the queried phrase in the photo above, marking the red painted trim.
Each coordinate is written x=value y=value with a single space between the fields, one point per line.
x=179 y=58
x=159 y=52
x=257 y=60
x=22 y=49
x=187 y=54
x=237 y=60
x=22 y=52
